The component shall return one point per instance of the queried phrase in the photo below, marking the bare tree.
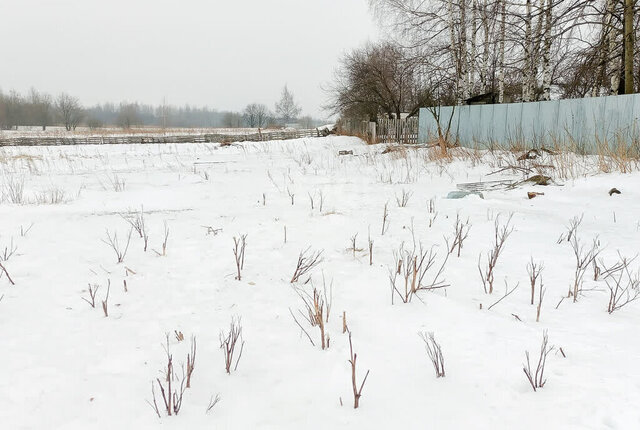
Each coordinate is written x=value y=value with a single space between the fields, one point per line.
x=70 y=111
x=286 y=109
x=378 y=79
x=256 y=115
x=128 y=115
x=41 y=108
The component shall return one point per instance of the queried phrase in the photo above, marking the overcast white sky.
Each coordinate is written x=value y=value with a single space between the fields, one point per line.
x=220 y=53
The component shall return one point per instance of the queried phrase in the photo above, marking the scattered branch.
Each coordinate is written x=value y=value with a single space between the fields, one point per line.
x=537 y=379
x=501 y=234
x=306 y=262
x=413 y=267
x=238 y=252
x=534 y=270
x=93 y=289
x=461 y=231
x=137 y=223
x=404 y=198
x=6 y=272
x=624 y=286
x=228 y=343
x=191 y=360
x=435 y=353
x=213 y=402
x=164 y=242
x=357 y=393
x=385 y=219
x=171 y=395
x=584 y=258
x=112 y=241
x=507 y=293
x=105 y=302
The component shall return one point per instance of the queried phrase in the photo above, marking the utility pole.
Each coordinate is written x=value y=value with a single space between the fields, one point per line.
x=628 y=46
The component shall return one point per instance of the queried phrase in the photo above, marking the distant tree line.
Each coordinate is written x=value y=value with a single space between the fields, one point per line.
x=43 y=110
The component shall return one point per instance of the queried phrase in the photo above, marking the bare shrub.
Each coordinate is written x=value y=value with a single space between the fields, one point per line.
x=317 y=308
x=53 y=196
x=191 y=360
x=137 y=223
x=403 y=199
x=171 y=394
x=238 y=253
x=93 y=289
x=228 y=343
x=536 y=379
x=433 y=214
x=164 y=242
x=114 y=244
x=117 y=184
x=213 y=401
x=501 y=234
x=385 y=219
x=357 y=392
x=307 y=261
x=534 y=270
x=434 y=351
x=541 y=291
x=572 y=228
x=623 y=285
x=461 y=231
x=353 y=247
x=584 y=257
x=25 y=231
x=413 y=266
x=8 y=251
x=105 y=302
x=12 y=190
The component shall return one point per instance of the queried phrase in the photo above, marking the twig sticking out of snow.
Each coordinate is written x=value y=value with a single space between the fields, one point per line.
x=501 y=234
x=357 y=393
x=307 y=261
x=113 y=243
x=6 y=272
x=228 y=343
x=239 y=245
x=537 y=379
x=435 y=353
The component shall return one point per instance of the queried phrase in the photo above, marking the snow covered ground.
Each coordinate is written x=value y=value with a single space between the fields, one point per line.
x=67 y=366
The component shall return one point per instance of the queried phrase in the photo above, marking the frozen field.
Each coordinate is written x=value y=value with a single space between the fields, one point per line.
x=67 y=366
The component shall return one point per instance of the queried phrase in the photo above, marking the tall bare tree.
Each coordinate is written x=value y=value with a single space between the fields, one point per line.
x=287 y=110
x=256 y=115
x=70 y=111
x=379 y=79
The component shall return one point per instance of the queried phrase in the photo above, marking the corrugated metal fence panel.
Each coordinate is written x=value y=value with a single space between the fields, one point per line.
x=582 y=122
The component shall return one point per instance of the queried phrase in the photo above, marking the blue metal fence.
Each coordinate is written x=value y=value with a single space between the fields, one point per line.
x=581 y=123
